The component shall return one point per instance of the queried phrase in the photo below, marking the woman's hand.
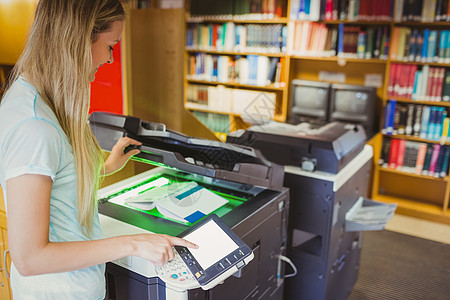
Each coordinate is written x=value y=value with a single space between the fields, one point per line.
x=157 y=248
x=118 y=158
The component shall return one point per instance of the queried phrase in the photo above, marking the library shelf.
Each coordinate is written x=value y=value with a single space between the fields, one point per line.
x=402 y=173
x=419 y=63
x=211 y=111
x=269 y=54
x=356 y=22
x=335 y=58
x=409 y=100
x=413 y=138
x=411 y=207
x=213 y=19
x=237 y=85
x=422 y=24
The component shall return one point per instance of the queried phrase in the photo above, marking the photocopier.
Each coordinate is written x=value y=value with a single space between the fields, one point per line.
x=256 y=209
x=327 y=170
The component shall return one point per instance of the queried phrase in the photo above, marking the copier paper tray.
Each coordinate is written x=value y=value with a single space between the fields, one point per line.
x=368 y=215
x=161 y=146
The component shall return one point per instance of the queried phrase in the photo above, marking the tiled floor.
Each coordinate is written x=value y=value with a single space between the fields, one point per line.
x=421 y=228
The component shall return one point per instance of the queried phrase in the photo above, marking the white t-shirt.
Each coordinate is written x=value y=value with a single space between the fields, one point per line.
x=32 y=142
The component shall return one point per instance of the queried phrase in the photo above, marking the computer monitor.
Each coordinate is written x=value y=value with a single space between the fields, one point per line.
x=309 y=102
x=355 y=104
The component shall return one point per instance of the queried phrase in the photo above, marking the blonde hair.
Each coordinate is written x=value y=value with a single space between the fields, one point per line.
x=57 y=62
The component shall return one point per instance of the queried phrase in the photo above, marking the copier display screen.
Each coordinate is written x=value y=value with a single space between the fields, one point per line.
x=214 y=244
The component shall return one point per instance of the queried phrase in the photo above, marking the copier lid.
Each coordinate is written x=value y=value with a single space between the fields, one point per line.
x=329 y=147
x=174 y=150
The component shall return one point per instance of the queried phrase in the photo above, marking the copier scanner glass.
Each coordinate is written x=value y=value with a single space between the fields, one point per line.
x=174 y=198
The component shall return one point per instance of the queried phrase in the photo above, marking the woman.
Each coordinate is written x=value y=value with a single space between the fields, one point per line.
x=50 y=162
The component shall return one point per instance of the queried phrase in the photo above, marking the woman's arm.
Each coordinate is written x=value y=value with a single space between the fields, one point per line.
x=28 y=199
x=117 y=158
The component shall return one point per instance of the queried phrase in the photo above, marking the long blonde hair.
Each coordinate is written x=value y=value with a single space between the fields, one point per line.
x=57 y=62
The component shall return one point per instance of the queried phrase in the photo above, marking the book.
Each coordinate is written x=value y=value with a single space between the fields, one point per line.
x=385 y=149
x=370 y=43
x=417 y=119
x=445 y=162
x=361 y=49
x=434 y=159
x=409 y=119
x=390 y=126
x=426 y=163
x=420 y=158
x=426 y=34
x=440 y=159
x=445 y=131
x=446 y=87
x=401 y=148
x=432 y=45
x=392 y=78
x=182 y=201
x=387 y=111
x=393 y=152
x=424 y=123
x=410 y=156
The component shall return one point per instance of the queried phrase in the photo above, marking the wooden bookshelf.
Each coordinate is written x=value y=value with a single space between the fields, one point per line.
x=416 y=195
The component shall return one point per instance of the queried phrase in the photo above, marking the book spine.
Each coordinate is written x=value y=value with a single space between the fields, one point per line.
x=420 y=158
x=417 y=119
x=390 y=127
x=432 y=123
x=445 y=162
x=387 y=111
x=427 y=160
x=434 y=159
x=385 y=149
x=392 y=163
x=409 y=119
x=438 y=169
x=400 y=154
x=424 y=122
x=445 y=131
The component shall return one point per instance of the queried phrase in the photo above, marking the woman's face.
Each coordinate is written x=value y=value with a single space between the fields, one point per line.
x=102 y=49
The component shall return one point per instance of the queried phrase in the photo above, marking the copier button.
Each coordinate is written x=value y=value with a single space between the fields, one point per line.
x=174 y=276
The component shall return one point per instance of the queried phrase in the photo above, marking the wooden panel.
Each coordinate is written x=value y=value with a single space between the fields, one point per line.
x=15 y=18
x=155 y=69
x=415 y=188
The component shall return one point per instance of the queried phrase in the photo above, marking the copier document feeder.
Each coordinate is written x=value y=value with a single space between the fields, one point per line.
x=195 y=179
x=327 y=170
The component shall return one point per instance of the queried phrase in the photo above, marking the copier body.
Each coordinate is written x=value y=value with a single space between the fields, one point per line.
x=326 y=255
x=257 y=214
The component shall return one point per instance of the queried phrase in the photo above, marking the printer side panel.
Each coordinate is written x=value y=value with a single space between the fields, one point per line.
x=345 y=247
x=327 y=257
x=265 y=231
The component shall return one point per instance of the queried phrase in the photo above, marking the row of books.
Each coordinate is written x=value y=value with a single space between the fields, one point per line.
x=311 y=39
x=238 y=9
x=425 y=122
x=415 y=157
x=356 y=42
x=426 y=84
x=422 y=11
x=351 y=10
x=237 y=38
x=215 y=122
x=420 y=45
x=227 y=100
x=255 y=70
